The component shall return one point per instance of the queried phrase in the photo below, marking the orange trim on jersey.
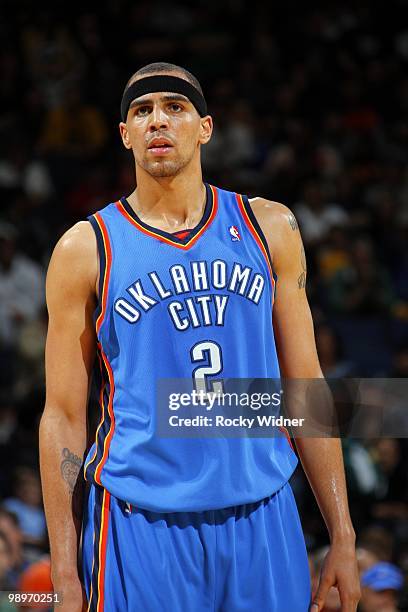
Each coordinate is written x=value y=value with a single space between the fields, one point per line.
x=285 y=431
x=165 y=239
x=102 y=405
x=257 y=238
x=103 y=539
x=108 y=257
x=108 y=438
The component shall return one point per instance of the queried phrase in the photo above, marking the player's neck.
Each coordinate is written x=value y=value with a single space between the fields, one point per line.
x=170 y=203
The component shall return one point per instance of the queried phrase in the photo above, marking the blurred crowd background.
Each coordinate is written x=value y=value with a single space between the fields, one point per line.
x=310 y=103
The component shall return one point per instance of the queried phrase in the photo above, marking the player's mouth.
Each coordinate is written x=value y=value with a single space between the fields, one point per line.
x=160 y=146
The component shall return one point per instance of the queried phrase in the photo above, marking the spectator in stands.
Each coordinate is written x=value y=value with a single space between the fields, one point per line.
x=27 y=505
x=316 y=215
x=334 y=254
x=21 y=172
x=329 y=348
x=392 y=499
x=73 y=128
x=362 y=479
x=21 y=287
x=400 y=361
x=74 y=132
x=377 y=540
x=37 y=579
x=364 y=287
x=380 y=586
x=31 y=347
x=5 y=566
x=5 y=562
x=9 y=426
x=10 y=527
x=395 y=407
x=365 y=558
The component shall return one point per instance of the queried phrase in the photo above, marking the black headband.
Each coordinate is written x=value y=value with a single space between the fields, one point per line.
x=152 y=84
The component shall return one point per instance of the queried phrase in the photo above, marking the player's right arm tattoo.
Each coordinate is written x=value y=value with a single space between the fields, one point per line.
x=72 y=474
x=70 y=468
x=292 y=222
x=302 y=277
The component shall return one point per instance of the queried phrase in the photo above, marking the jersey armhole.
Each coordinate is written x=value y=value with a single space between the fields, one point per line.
x=105 y=260
x=256 y=230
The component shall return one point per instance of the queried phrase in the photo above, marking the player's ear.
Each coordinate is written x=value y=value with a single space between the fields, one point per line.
x=125 y=135
x=206 y=129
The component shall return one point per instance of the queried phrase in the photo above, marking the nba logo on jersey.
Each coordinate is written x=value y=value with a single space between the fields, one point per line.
x=233 y=230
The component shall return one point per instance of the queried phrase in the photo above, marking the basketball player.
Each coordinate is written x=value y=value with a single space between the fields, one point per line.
x=175 y=279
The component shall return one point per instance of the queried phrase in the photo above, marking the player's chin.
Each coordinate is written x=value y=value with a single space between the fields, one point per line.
x=162 y=168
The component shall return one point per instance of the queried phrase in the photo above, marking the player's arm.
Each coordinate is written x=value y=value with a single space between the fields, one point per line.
x=321 y=458
x=70 y=291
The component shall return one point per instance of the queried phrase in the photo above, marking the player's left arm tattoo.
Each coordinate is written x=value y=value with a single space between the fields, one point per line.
x=302 y=277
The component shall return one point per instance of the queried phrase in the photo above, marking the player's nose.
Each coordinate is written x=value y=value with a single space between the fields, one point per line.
x=158 y=119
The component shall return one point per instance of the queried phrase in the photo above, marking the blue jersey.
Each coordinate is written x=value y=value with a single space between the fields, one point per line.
x=168 y=306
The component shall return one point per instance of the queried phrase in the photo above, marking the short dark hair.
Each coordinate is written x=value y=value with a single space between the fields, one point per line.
x=160 y=67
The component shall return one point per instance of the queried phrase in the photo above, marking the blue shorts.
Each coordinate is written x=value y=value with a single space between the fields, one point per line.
x=243 y=558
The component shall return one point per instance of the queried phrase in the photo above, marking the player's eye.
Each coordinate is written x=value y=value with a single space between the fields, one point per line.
x=175 y=107
x=142 y=111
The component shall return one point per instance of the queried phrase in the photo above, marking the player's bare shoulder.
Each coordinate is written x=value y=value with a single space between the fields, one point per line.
x=74 y=261
x=277 y=222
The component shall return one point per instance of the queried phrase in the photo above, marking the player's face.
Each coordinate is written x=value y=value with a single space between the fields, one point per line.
x=165 y=132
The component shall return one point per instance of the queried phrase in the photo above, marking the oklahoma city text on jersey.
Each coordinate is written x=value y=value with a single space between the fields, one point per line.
x=202 y=310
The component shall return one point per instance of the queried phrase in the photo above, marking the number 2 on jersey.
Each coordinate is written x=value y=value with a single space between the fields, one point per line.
x=210 y=353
